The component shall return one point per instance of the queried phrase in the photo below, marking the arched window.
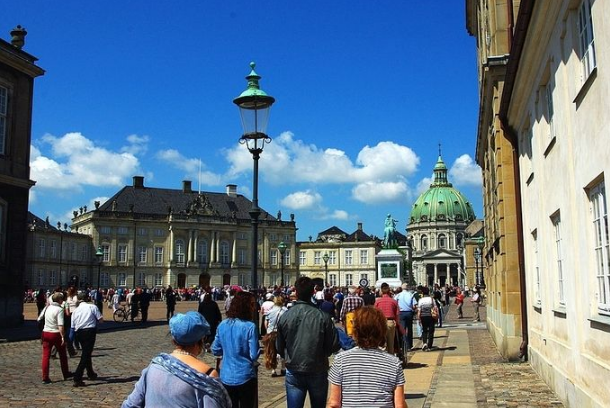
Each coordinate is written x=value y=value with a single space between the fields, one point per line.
x=225 y=255
x=459 y=238
x=202 y=252
x=442 y=241
x=424 y=242
x=179 y=252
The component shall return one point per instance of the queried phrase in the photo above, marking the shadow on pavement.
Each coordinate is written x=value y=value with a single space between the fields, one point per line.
x=410 y=365
x=415 y=396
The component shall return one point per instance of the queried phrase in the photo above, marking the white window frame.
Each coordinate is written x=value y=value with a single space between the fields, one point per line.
x=42 y=243
x=225 y=253
x=364 y=257
x=106 y=252
x=3 y=118
x=332 y=257
x=349 y=257
x=556 y=221
x=41 y=276
x=142 y=232
x=317 y=257
x=52 y=278
x=202 y=252
x=121 y=279
x=104 y=280
x=122 y=253
x=349 y=279
x=302 y=257
x=287 y=257
x=597 y=199
x=141 y=279
x=179 y=252
x=142 y=254
x=242 y=254
x=586 y=40
x=158 y=255
x=122 y=230
x=364 y=276
x=106 y=230
x=274 y=254
x=53 y=249
x=158 y=279
x=332 y=279
x=442 y=241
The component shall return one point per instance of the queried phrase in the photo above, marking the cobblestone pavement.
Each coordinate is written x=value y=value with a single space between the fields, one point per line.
x=465 y=371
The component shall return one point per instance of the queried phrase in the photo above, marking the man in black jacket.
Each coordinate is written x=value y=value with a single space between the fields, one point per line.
x=306 y=337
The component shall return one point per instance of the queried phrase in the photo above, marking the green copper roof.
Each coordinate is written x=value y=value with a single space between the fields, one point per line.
x=441 y=202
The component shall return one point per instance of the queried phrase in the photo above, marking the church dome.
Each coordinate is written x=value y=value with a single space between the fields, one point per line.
x=441 y=202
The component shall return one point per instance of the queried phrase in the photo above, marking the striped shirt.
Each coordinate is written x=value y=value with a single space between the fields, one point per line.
x=367 y=377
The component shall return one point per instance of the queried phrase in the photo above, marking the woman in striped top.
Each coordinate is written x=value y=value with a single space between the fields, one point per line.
x=367 y=376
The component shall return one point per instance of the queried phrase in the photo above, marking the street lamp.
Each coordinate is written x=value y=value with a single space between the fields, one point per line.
x=254 y=106
x=325 y=259
x=477 y=258
x=282 y=248
x=99 y=254
x=480 y=244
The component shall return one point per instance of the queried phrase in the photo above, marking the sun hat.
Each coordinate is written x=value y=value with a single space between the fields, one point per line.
x=188 y=328
x=269 y=296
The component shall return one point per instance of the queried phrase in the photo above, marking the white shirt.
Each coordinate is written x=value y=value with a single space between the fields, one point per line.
x=86 y=316
x=53 y=317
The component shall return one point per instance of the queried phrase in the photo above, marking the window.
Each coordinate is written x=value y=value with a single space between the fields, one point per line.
x=142 y=254
x=40 y=278
x=105 y=230
x=73 y=251
x=272 y=237
x=287 y=257
x=242 y=236
x=597 y=197
x=537 y=294
x=202 y=252
x=458 y=239
x=52 y=278
x=302 y=258
x=364 y=257
x=159 y=232
x=104 y=280
x=242 y=279
x=332 y=279
x=364 y=276
x=242 y=256
x=53 y=249
x=225 y=254
x=348 y=279
x=158 y=255
x=122 y=253
x=106 y=251
x=3 y=117
x=424 y=242
x=317 y=257
x=587 y=40
x=442 y=241
x=122 y=230
x=141 y=279
x=550 y=110
x=158 y=279
x=287 y=238
x=179 y=252
x=556 y=220
x=121 y=279
x=143 y=232
x=332 y=257
x=274 y=254
x=349 y=257
x=41 y=247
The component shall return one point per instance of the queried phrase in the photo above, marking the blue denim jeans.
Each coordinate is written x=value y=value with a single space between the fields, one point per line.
x=299 y=384
x=406 y=321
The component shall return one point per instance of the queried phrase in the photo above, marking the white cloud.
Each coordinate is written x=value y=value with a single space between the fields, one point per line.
x=190 y=167
x=381 y=192
x=423 y=185
x=340 y=215
x=137 y=145
x=302 y=200
x=76 y=162
x=465 y=172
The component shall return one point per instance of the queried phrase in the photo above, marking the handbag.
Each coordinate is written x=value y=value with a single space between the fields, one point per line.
x=434 y=312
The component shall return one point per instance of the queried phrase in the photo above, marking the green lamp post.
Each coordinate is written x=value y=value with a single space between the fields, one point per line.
x=325 y=259
x=254 y=106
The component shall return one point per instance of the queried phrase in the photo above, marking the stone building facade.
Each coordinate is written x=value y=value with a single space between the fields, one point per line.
x=351 y=257
x=156 y=237
x=553 y=112
x=18 y=70
x=57 y=256
x=490 y=21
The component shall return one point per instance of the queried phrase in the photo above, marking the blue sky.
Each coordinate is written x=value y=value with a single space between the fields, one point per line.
x=365 y=91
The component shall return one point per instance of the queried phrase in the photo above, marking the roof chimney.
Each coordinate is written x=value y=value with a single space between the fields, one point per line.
x=186 y=186
x=138 y=181
x=231 y=190
x=359 y=226
x=18 y=37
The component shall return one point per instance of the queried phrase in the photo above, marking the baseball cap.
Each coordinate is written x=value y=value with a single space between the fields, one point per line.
x=188 y=328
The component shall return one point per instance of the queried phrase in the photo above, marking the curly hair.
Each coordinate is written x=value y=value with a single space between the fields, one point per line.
x=242 y=306
x=370 y=327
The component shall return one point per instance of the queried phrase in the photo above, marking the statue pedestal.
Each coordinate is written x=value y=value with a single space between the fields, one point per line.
x=389 y=268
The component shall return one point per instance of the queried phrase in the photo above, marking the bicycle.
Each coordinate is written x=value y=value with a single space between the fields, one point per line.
x=122 y=314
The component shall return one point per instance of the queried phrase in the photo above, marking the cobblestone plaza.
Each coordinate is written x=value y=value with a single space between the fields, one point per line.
x=464 y=370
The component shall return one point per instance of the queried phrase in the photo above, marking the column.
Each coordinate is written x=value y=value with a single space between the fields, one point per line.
x=234 y=251
x=212 y=247
x=189 y=248
x=435 y=273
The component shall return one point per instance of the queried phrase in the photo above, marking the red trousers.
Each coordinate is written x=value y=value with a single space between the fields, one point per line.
x=48 y=341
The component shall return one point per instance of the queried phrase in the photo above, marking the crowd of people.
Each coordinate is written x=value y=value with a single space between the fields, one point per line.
x=369 y=331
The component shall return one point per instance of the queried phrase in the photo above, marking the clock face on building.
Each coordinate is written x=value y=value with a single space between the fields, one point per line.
x=364 y=282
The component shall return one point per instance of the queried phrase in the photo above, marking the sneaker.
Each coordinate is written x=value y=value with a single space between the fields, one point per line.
x=47 y=381
x=80 y=383
x=74 y=353
x=425 y=347
x=69 y=375
x=274 y=374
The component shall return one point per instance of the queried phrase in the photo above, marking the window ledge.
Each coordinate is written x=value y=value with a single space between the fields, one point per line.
x=585 y=87
x=538 y=308
x=560 y=311
x=600 y=322
x=550 y=146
